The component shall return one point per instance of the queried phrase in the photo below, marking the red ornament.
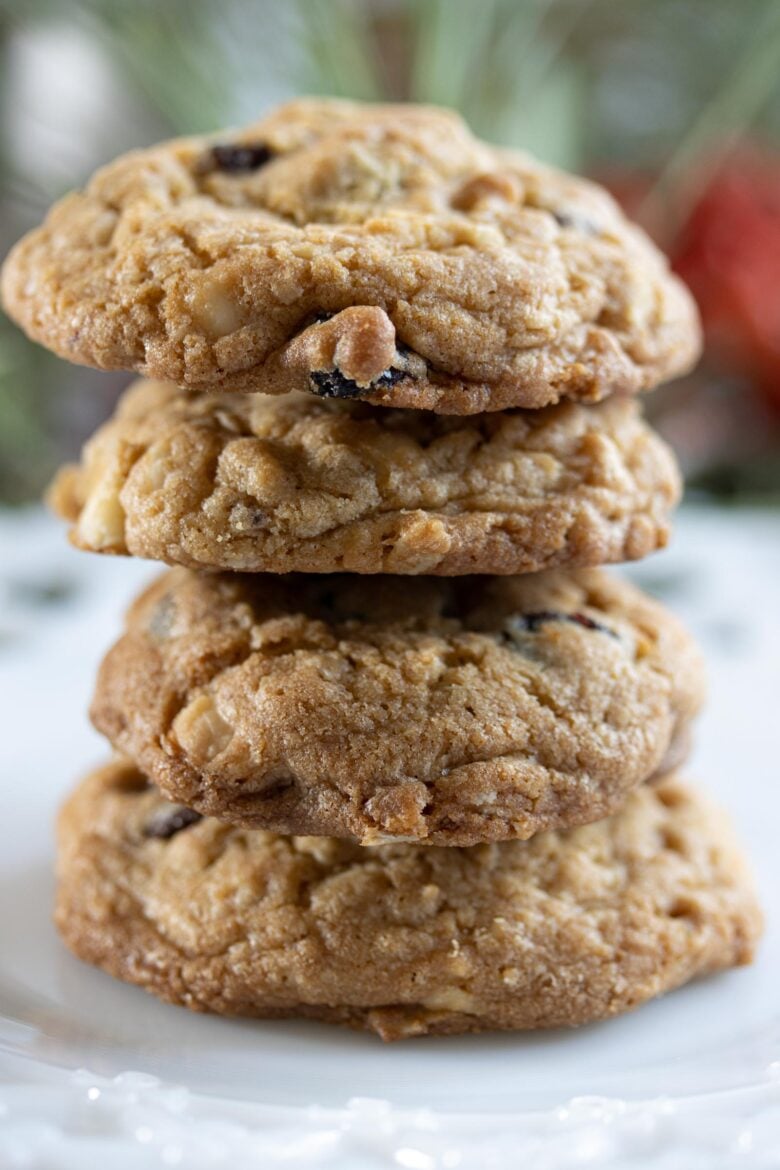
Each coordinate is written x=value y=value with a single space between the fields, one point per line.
x=729 y=254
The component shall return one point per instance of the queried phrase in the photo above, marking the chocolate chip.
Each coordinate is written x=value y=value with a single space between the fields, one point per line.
x=241 y=157
x=170 y=820
x=333 y=384
x=533 y=621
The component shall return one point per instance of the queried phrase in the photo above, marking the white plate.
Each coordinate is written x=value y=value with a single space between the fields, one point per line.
x=692 y=1079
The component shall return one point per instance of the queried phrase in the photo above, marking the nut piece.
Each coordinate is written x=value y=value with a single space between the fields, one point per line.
x=200 y=731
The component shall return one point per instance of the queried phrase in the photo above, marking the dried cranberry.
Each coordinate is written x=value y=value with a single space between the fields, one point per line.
x=241 y=157
x=334 y=384
x=169 y=821
x=533 y=621
x=567 y=219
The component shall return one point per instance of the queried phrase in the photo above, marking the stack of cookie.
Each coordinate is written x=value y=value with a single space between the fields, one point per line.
x=394 y=752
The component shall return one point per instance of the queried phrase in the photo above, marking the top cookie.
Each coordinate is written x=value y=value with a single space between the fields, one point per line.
x=373 y=252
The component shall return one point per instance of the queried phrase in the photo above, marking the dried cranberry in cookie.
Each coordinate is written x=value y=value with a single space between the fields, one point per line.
x=169 y=820
x=240 y=158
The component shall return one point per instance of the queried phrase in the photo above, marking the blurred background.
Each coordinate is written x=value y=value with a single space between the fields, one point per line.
x=675 y=104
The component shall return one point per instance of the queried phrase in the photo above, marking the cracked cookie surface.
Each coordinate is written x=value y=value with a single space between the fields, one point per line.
x=297 y=484
x=378 y=252
x=403 y=940
x=445 y=710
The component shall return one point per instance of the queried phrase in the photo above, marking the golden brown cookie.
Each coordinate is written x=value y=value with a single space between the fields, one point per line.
x=299 y=484
x=375 y=252
x=402 y=940
x=443 y=710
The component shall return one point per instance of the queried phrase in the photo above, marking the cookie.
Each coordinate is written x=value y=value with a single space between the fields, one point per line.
x=401 y=939
x=374 y=252
x=298 y=484
x=445 y=710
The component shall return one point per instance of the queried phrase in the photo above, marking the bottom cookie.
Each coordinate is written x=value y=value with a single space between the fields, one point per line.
x=564 y=929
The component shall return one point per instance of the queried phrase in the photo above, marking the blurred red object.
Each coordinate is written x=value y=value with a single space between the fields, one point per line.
x=728 y=252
